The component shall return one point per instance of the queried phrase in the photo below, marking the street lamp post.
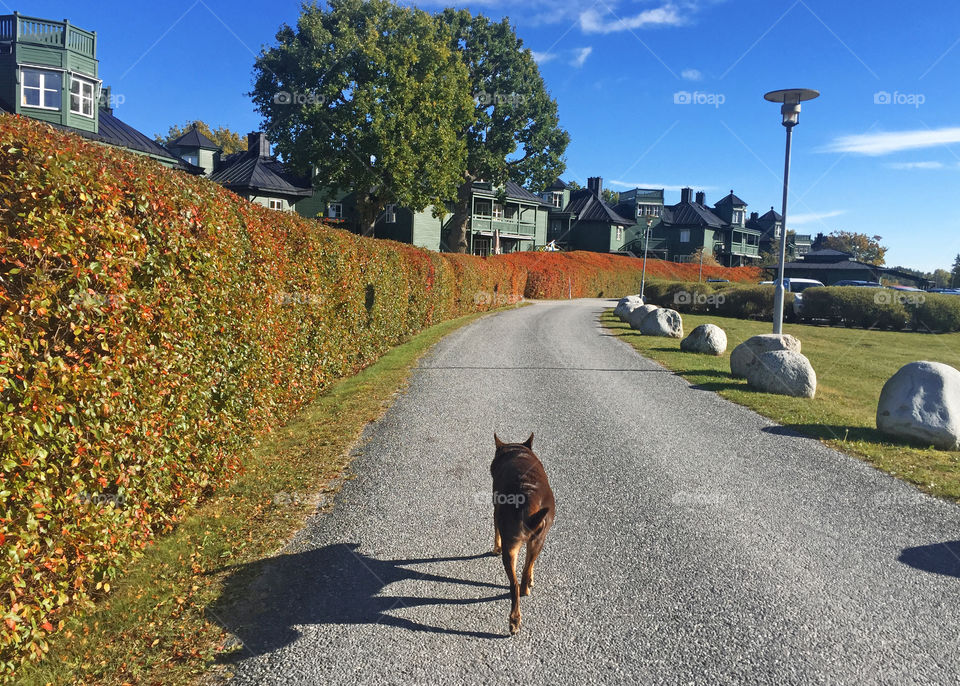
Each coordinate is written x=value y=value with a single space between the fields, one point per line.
x=646 y=244
x=790 y=109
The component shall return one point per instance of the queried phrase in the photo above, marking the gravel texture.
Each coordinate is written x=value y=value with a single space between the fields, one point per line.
x=695 y=541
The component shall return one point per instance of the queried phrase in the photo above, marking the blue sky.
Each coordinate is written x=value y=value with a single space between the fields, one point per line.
x=657 y=93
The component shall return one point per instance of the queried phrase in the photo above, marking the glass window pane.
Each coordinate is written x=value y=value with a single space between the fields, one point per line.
x=88 y=108
x=74 y=103
x=31 y=78
x=51 y=99
x=51 y=80
x=31 y=97
x=75 y=85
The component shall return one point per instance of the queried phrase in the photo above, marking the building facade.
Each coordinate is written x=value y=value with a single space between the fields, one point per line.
x=582 y=220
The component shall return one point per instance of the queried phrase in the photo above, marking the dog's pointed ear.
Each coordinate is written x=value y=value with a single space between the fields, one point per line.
x=529 y=442
x=497 y=441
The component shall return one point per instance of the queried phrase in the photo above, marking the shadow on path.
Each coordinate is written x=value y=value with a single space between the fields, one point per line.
x=936 y=558
x=263 y=602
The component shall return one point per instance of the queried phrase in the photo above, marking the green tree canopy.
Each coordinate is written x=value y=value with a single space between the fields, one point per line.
x=863 y=247
x=372 y=97
x=955 y=272
x=228 y=140
x=514 y=132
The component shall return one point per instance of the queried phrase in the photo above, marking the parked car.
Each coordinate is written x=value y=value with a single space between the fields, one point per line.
x=795 y=285
x=718 y=280
x=861 y=284
x=948 y=291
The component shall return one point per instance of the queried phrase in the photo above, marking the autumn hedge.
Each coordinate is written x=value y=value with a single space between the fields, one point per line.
x=153 y=324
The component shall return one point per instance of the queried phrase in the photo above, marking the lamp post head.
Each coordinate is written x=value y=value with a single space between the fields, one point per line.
x=791 y=99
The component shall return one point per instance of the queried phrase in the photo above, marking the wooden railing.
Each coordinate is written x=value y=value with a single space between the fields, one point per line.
x=59 y=34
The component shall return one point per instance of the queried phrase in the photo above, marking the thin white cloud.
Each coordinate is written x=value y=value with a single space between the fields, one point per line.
x=893 y=141
x=691 y=75
x=592 y=21
x=915 y=165
x=542 y=57
x=664 y=186
x=580 y=56
x=812 y=217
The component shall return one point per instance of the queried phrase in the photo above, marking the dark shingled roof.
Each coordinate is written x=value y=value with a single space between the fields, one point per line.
x=194 y=139
x=249 y=172
x=729 y=200
x=691 y=214
x=557 y=185
x=511 y=190
x=771 y=216
x=590 y=207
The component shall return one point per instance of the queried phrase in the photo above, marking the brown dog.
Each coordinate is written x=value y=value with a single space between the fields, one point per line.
x=523 y=510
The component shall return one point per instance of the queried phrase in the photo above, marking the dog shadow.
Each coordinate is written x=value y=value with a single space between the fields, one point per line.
x=936 y=558
x=263 y=602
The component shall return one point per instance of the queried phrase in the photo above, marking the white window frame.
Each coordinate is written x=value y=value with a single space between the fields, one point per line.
x=738 y=217
x=619 y=233
x=684 y=235
x=92 y=98
x=43 y=72
x=192 y=159
x=390 y=214
x=497 y=210
x=335 y=210
x=275 y=204
x=557 y=199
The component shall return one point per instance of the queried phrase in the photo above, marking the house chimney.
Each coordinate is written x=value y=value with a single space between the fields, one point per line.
x=754 y=216
x=257 y=140
x=701 y=197
x=685 y=194
x=595 y=184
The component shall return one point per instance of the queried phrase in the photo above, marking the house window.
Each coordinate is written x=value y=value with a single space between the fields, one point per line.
x=41 y=89
x=482 y=246
x=192 y=159
x=497 y=211
x=81 y=96
x=482 y=208
x=738 y=216
x=510 y=211
x=619 y=233
x=557 y=199
x=685 y=235
x=275 y=204
x=335 y=210
x=390 y=214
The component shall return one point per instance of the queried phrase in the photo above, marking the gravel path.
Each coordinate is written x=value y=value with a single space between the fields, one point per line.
x=695 y=541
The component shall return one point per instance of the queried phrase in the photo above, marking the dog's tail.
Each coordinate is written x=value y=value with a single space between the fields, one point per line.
x=536 y=519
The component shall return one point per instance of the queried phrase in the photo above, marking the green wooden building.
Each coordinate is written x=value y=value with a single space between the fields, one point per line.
x=503 y=219
x=49 y=72
x=582 y=219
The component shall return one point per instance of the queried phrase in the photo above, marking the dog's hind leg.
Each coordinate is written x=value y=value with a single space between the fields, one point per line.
x=510 y=565
x=534 y=546
x=496 y=536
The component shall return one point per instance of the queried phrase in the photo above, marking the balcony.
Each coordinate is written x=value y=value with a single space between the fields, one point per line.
x=58 y=34
x=506 y=227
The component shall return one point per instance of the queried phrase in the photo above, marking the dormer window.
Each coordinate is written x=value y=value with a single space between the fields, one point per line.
x=390 y=214
x=192 y=158
x=335 y=210
x=81 y=96
x=41 y=88
x=738 y=217
x=557 y=199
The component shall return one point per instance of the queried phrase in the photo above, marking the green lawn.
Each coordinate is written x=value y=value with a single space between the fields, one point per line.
x=851 y=364
x=153 y=627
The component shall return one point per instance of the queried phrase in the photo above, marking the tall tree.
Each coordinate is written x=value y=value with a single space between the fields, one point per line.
x=229 y=141
x=371 y=97
x=942 y=278
x=863 y=247
x=611 y=197
x=514 y=133
x=956 y=273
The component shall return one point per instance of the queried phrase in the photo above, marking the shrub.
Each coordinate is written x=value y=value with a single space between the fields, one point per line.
x=152 y=324
x=939 y=312
x=854 y=306
x=724 y=299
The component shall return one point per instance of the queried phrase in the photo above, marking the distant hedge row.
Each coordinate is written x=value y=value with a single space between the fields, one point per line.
x=746 y=301
x=878 y=308
x=882 y=308
x=593 y=275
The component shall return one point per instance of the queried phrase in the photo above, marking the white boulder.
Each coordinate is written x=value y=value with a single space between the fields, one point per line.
x=709 y=339
x=784 y=372
x=662 y=322
x=636 y=315
x=921 y=402
x=745 y=355
x=625 y=305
